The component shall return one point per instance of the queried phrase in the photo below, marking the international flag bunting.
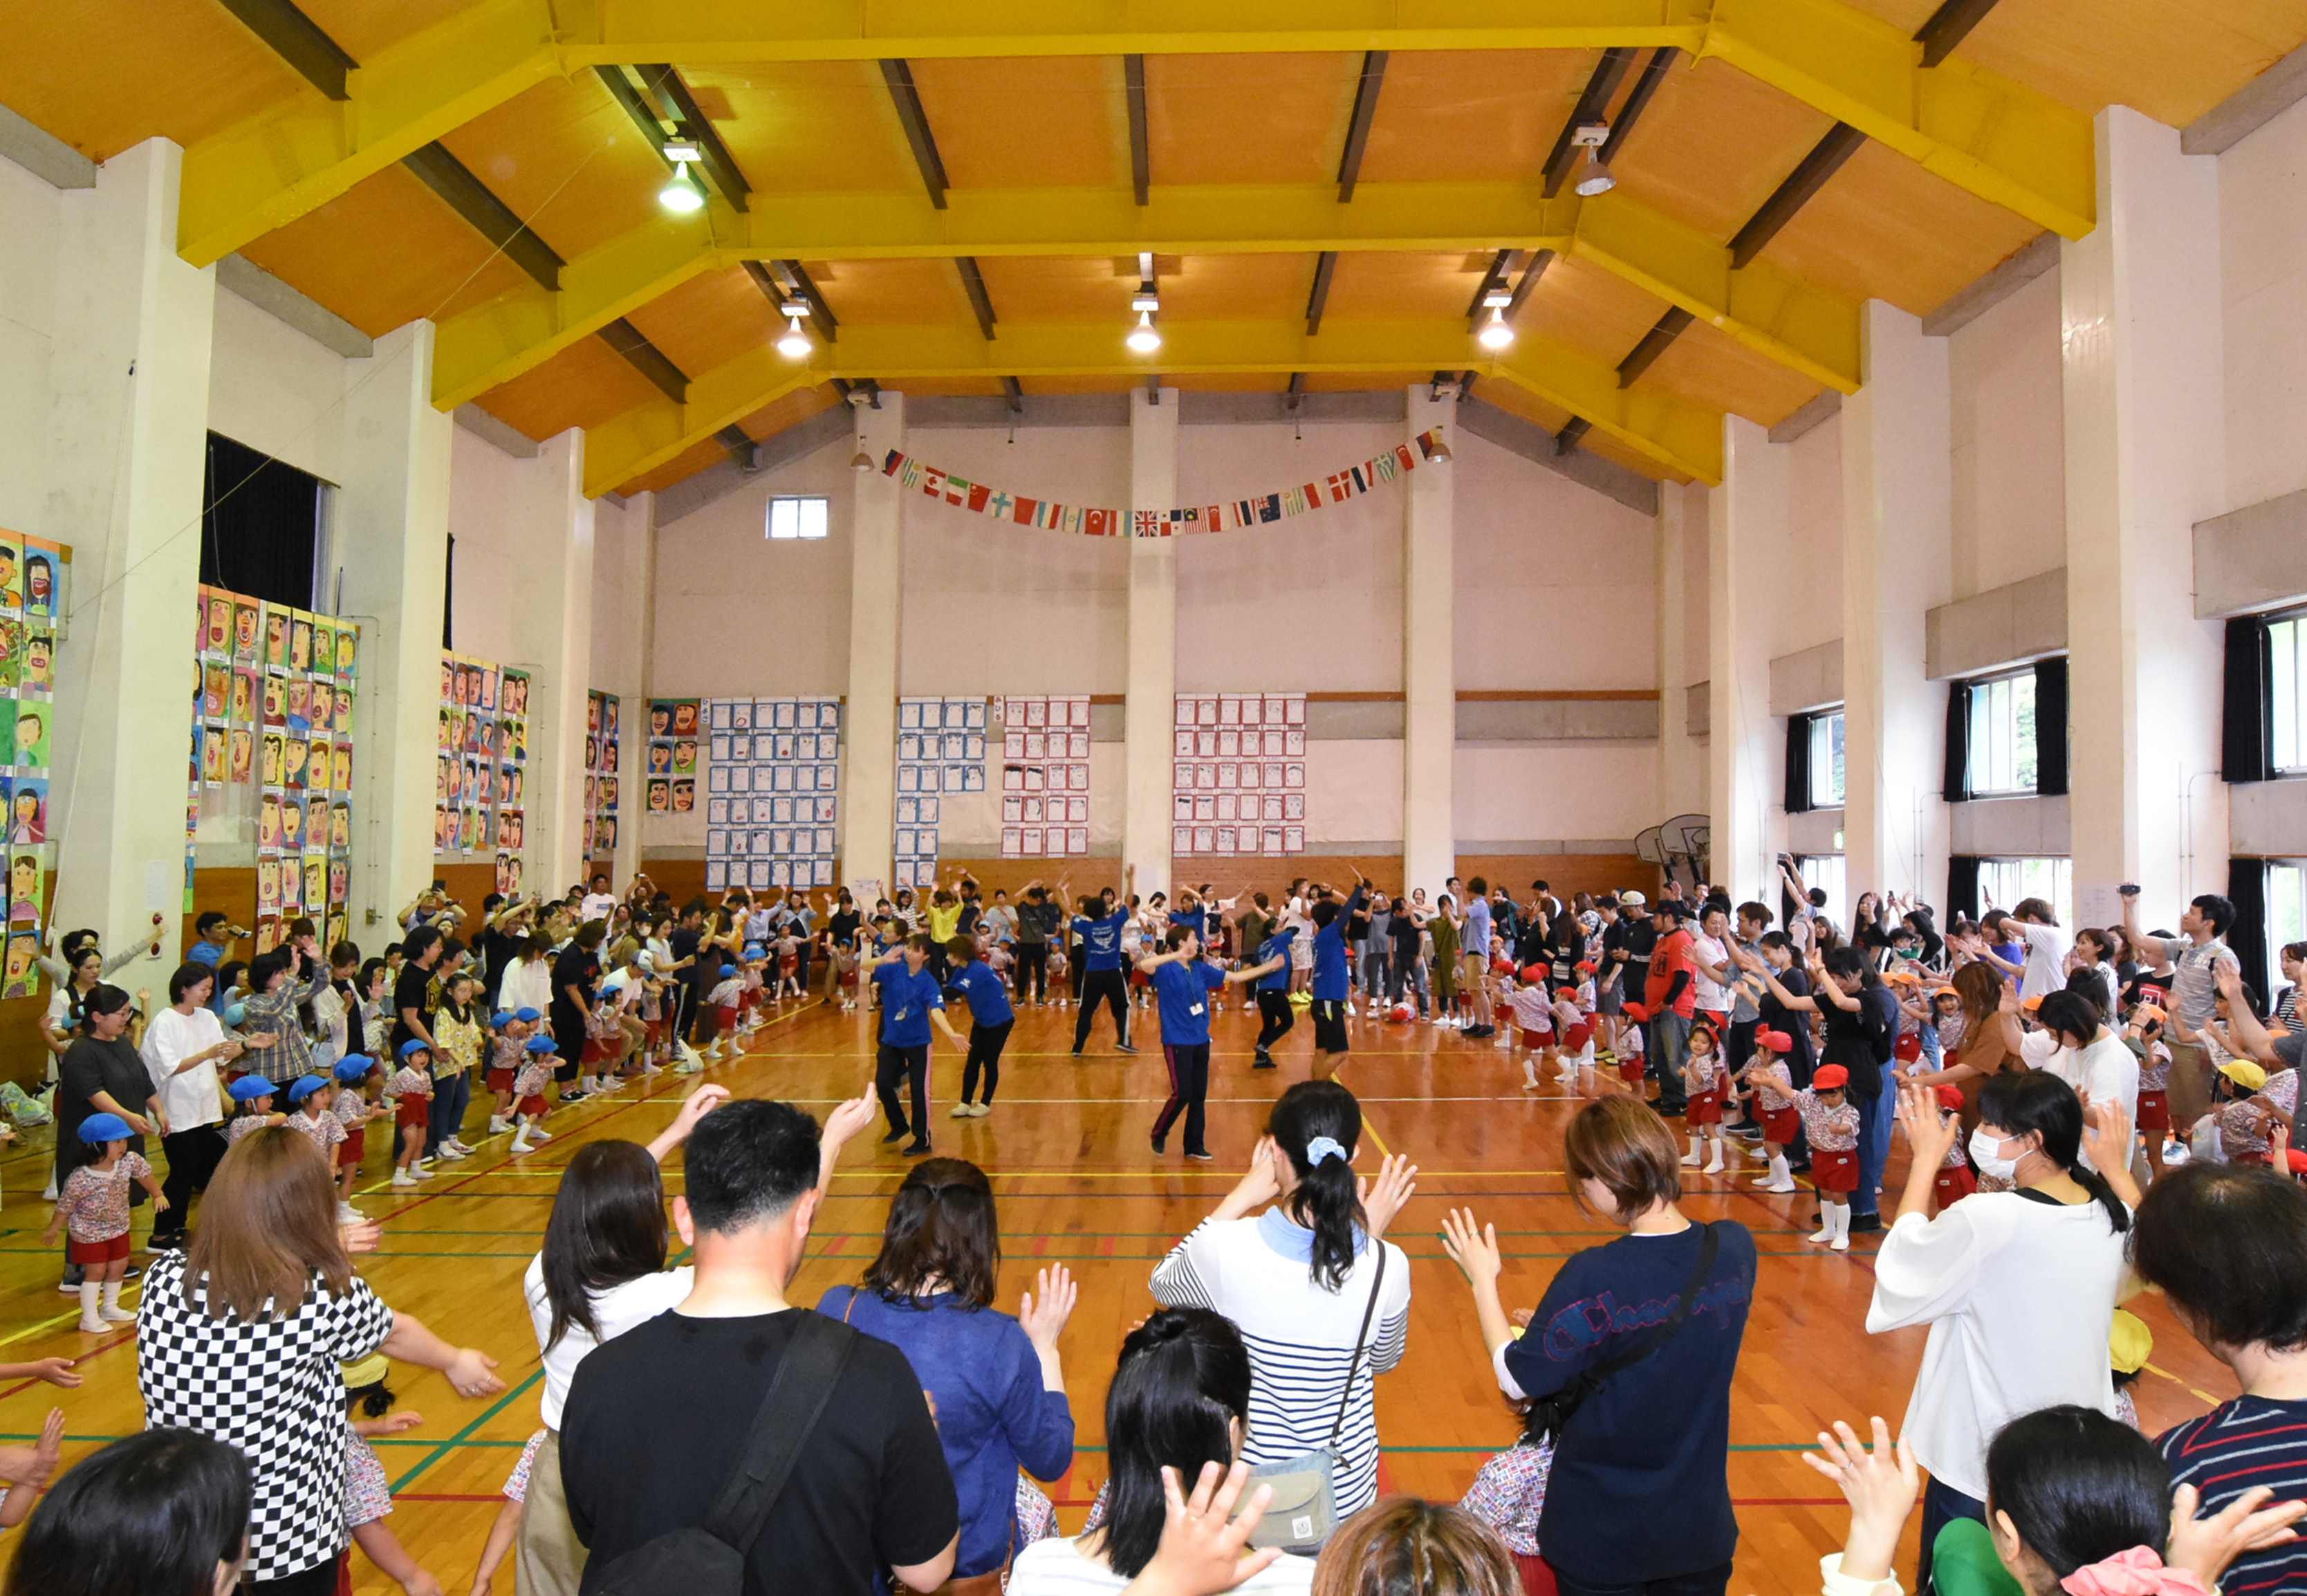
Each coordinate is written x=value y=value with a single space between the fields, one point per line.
x=1258 y=510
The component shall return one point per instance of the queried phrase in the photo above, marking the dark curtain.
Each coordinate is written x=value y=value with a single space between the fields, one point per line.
x=260 y=525
x=448 y=598
x=2051 y=726
x=2244 y=754
x=2247 y=891
x=1956 y=785
x=1962 y=889
x=1797 y=764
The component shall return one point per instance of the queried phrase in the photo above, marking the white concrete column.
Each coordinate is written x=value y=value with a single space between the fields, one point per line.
x=627 y=653
x=2139 y=307
x=1429 y=675
x=1681 y=645
x=869 y=796
x=393 y=521
x=1150 y=707
x=552 y=639
x=1747 y=518
x=127 y=437
x=1897 y=542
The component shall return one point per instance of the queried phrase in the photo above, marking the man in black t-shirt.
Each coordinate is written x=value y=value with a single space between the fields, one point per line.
x=657 y=1418
x=412 y=993
x=688 y=937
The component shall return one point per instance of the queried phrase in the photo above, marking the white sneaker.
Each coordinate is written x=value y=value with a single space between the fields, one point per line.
x=1825 y=1235
x=521 y=1143
x=116 y=1316
x=1840 y=1243
x=348 y=1214
x=962 y=1110
x=537 y=1133
x=403 y=1178
x=451 y=1151
x=981 y=1110
x=422 y=1173
x=1781 y=1186
x=1713 y=1164
x=499 y=1127
x=1690 y=1161
x=89 y=1327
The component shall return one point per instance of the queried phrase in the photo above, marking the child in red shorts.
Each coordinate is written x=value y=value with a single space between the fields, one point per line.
x=528 y=1088
x=507 y=1032
x=92 y=1210
x=1774 y=1105
x=1630 y=1047
x=410 y=1092
x=1955 y=1179
x=1833 y=1126
x=1574 y=1031
x=1702 y=1081
x=2144 y=1036
x=354 y=1073
x=1531 y=1014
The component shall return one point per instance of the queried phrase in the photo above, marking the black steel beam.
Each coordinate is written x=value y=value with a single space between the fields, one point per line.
x=679 y=107
x=1638 y=100
x=1825 y=158
x=489 y=216
x=915 y=121
x=1593 y=104
x=1501 y=268
x=1358 y=125
x=647 y=360
x=1566 y=440
x=1325 y=266
x=1949 y=26
x=1141 y=157
x=1530 y=273
x=1015 y=392
x=973 y=283
x=1653 y=344
x=298 y=40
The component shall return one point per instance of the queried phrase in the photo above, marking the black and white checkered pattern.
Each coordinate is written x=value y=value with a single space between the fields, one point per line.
x=272 y=1389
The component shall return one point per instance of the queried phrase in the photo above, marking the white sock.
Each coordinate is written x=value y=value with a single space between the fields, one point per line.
x=111 y=1295
x=89 y=1290
x=1840 y=1215
x=1778 y=1172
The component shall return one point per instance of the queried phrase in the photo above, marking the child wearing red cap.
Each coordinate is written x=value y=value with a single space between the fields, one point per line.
x=1833 y=1126
x=1703 y=1080
x=1533 y=1018
x=1775 y=1104
x=1955 y=1179
x=1630 y=1046
x=2144 y=1036
x=1573 y=1029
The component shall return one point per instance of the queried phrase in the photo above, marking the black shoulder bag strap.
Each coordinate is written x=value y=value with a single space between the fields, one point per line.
x=1550 y=1414
x=797 y=1398
x=1361 y=1337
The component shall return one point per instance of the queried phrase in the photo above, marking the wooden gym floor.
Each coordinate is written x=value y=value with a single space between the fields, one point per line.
x=1066 y=1147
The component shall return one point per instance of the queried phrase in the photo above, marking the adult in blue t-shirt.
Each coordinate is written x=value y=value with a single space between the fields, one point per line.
x=1274 y=1014
x=911 y=1002
x=1182 y=984
x=1329 y=983
x=1099 y=927
x=973 y=981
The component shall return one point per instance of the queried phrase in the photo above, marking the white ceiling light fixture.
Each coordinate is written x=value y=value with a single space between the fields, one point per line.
x=682 y=194
x=1593 y=172
x=1144 y=337
x=795 y=345
x=1494 y=333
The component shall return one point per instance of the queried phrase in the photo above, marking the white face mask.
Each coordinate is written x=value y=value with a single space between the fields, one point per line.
x=1987 y=1156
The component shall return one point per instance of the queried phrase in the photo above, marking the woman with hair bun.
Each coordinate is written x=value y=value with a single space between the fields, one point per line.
x=1322 y=1299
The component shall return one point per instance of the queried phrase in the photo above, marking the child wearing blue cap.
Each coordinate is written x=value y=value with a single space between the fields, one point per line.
x=507 y=1032
x=720 y=1016
x=92 y=1210
x=528 y=1086
x=252 y=1108
x=354 y=1072
x=312 y=1099
x=410 y=1092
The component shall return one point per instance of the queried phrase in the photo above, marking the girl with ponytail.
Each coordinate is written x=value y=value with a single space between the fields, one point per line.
x=1323 y=1301
x=2018 y=1286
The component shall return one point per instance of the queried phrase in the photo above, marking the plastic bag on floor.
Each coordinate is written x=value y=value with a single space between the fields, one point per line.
x=21 y=1107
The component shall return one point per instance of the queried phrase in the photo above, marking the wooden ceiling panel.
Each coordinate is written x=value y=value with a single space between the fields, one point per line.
x=364 y=29
x=1472 y=115
x=385 y=252
x=1394 y=286
x=1056 y=121
x=809 y=126
x=1885 y=227
x=1240 y=287
x=2172 y=59
x=1275 y=118
x=697 y=456
x=564 y=158
x=710 y=320
x=103 y=75
x=1056 y=287
x=1604 y=447
x=1713 y=144
x=1710 y=367
x=791 y=411
x=584 y=385
x=1585 y=308
x=896 y=292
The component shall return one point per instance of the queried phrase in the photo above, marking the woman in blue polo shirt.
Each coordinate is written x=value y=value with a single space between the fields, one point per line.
x=1182 y=985
x=911 y=999
x=1329 y=1009
x=1275 y=1017
x=1098 y=926
x=973 y=981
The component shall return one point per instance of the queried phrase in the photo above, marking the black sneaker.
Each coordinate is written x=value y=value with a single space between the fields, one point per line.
x=1076 y=1053
x=1202 y=1156
x=895 y=1137
x=1265 y=1060
x=1159 y=1148
x=1123 y=1047
x=1864 y=1224
x=915 y=1149
x=131 y=1273
x=164 y=1244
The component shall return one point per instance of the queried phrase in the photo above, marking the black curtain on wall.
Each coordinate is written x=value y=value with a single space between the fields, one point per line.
x=448 y=597
x=1956 y=787
x=1797 y=764
x=1962 y=889
x=2244 y=754
x=2051 y=727
x=260 y=525
x=2247 y=891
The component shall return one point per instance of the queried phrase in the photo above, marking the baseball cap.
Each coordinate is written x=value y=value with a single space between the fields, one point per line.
x=411 y=1047
x=539 y=1045
x=369 y=1372
x=499 y=1020
x=1636 y=1012
x=104 y=1127
x=755 y=950
x=1950 y=1097
x=1834 y=1078
x=2128 y=1341
x=304 y=1085
x=355 y=1067
x=1632 y=900
x=248 y=1088
x=2250 y=1076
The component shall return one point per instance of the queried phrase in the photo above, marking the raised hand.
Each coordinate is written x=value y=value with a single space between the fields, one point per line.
x=1383 y=1200
x=1880 y=1487
x=1044 y=1311
x=1203 y=1546
x=1473 y=1247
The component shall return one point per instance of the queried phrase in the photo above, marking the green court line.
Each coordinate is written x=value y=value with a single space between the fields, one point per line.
x=441 y=1449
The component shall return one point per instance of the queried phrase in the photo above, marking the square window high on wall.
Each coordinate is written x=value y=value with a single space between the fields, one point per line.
x=264 y=527
x=2287 y=909
x=1823 y=872
x=2006 y=733
x=796 y=517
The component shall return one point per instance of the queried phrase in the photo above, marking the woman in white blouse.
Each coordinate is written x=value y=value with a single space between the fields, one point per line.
x=528 y=978
x=2019 y=1287
x=1322 y=1302
x=183 y=1046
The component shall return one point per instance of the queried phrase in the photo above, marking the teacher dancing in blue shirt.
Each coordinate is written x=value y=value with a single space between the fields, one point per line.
x=1182 y=984
x=1330 y=919
x=1098 y=926
x=911 y=999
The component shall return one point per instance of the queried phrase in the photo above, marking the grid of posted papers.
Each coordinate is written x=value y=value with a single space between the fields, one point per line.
x=940 y=753
x=600 y=774
x=481 y=787
x=32 y=579
x=772 y=792
x=1238 y=774
x=1044 y=777
x=272 y=739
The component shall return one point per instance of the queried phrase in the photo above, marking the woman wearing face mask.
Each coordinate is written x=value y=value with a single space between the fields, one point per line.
x=2018 y=1286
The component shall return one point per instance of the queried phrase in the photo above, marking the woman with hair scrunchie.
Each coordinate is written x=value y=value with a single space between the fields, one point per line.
x=1297 y=1278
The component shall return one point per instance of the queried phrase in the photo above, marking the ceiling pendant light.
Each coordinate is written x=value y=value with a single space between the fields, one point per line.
x=680 y=195
x=795 y=345
x=1494 y=333
x=1144 y=337
x=1593 y=172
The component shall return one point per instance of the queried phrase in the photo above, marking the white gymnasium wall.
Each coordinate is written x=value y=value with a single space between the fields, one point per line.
x=276 y=390
x=497 y=504
x=1809 y=583
x=2263 y=283
x=33 y=213
x=2007 y=450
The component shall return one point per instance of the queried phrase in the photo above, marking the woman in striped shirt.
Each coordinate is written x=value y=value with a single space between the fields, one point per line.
x=1301 y=1278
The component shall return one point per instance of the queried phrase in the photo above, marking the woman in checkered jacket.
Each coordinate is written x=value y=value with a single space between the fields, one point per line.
x=240 y=1337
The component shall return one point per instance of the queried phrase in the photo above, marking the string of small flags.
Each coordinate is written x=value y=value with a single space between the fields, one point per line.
x=1231 y=515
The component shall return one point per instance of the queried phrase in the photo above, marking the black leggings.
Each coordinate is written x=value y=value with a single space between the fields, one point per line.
x=985 y=1046
x=193 y=1157
x=896 y=1065
x=1033 y=963
x=1108 y=986
x=1273 y=1009
x=1189 y=1087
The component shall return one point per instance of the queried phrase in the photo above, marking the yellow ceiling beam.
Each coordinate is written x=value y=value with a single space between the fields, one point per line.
x=1680 y=436
x=2000 y=140
x=1808 y=328
x=292 y=158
